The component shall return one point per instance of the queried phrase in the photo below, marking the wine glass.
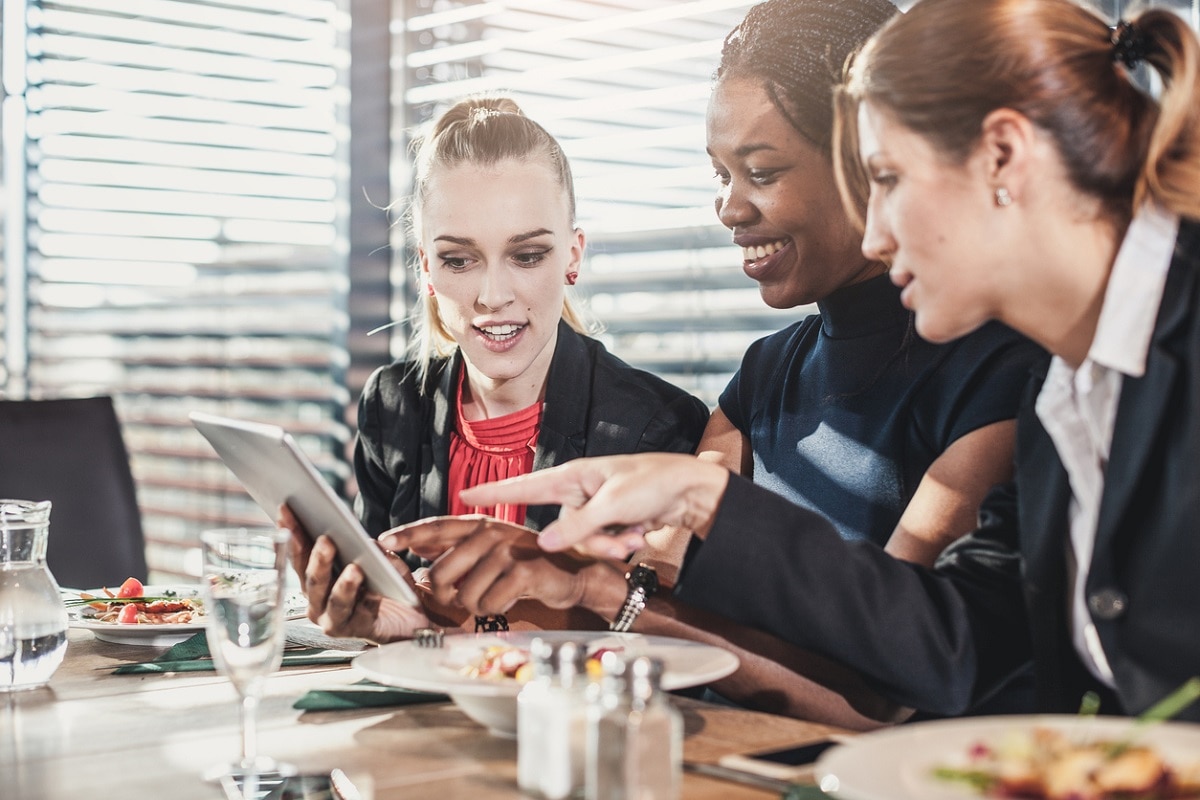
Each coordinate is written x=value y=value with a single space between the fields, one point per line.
x=245 y=571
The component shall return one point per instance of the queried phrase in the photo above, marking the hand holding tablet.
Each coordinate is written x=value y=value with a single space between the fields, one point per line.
x=276 y=472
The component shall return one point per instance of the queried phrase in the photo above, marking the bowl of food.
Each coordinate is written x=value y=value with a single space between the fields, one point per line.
x=483 y=673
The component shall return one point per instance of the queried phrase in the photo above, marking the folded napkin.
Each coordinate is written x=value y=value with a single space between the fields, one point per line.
x=191 y=655
x=364 y=694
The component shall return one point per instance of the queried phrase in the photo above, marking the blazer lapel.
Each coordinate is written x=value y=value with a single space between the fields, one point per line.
x=433 y=481
x=1141 y=409
x=564 y=418
x=1045 y=493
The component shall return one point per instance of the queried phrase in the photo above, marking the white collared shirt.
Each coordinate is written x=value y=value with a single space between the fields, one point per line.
x=1079 y=407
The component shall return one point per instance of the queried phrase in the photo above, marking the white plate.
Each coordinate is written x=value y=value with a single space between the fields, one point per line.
x=150 y=635
x=898 y=763
x=492 y=702
x=141 y=634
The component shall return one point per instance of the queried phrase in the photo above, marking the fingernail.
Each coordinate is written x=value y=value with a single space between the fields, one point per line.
x=550 y=540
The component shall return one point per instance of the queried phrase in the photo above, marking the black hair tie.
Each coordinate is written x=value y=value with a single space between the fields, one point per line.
x=1129 y=44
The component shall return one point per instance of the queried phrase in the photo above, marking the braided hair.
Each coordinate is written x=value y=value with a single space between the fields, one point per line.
x=797 y=48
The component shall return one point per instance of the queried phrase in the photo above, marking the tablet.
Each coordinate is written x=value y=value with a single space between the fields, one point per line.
x=275 y=471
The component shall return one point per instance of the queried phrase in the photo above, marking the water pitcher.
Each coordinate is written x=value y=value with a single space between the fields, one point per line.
x=33 y=619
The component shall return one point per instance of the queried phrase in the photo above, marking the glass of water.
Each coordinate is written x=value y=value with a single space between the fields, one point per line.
x=245 y=570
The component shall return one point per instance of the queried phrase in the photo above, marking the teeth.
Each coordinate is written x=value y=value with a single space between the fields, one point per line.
x=500 y=331
x=762 y=251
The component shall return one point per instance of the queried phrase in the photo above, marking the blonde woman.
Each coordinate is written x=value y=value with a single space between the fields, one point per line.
x=502 y=379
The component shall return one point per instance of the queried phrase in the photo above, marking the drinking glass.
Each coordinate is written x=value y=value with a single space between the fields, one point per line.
x=245 y=571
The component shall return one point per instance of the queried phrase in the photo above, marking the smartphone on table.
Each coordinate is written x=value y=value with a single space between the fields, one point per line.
x=785 y=764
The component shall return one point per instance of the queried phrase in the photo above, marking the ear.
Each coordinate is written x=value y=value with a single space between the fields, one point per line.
x=578 y=242
x=1007 y=150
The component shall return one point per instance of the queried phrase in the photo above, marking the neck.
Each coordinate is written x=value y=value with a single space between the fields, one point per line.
x=487 y=397
x=1070 y=264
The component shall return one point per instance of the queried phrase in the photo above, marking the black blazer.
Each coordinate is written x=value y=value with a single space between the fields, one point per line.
x=596 y=405
x=942 y=639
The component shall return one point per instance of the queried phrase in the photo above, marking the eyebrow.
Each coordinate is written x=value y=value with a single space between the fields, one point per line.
x=748 y=149
x=516 y=238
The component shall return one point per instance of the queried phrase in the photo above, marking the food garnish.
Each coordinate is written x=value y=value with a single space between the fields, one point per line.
x=129 y=605
x=1046 y=764
x=505 y=662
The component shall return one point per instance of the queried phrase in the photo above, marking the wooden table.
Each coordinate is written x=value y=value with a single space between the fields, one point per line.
x=92 y=734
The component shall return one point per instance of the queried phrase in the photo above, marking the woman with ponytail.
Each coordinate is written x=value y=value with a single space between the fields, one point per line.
x=501 y=378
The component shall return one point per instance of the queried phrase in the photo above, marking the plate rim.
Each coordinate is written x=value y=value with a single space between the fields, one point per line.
x=863 y=750
x=493 y=688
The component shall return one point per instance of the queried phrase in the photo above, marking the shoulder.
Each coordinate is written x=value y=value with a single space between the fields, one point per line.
x=399 y=384
x=629 y=408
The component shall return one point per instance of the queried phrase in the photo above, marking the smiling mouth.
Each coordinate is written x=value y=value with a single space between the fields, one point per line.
x=752 y=254
x=500 y=333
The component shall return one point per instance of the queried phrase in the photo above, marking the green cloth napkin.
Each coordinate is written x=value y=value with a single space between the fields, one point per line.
x=191 y=655
x=364 y=694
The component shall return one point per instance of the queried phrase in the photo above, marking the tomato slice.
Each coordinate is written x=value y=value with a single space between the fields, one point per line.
x=128 y=615
x=132 y=587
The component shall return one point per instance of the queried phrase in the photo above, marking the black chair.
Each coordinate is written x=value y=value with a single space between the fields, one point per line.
x=71 y=452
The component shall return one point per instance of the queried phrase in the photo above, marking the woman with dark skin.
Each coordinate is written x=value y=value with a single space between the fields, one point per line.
x=846 y=412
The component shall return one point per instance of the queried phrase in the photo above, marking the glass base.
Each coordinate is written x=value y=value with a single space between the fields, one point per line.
x=262 y=770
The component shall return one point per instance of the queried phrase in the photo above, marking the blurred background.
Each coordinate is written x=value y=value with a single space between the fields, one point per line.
x=194 y=206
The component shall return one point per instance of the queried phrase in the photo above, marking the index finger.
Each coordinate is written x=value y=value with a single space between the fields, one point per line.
x=433 y=536
x=556 y=486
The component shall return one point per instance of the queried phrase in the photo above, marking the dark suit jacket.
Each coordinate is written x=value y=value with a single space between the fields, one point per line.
x=595 y=405
x=941 y=639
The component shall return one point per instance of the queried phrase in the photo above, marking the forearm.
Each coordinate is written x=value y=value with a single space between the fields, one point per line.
x=857 y=605
x=772 y=675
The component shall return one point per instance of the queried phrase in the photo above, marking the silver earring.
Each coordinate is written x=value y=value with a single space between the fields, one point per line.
x=1003 y=198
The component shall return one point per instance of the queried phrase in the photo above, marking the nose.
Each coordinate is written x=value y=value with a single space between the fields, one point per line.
x=496 y=290
x=878 y=243
x=733 y=208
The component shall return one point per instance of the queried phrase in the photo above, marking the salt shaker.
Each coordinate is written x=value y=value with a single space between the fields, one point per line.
x=637 y=743
x=564 y=750
x=533 y=706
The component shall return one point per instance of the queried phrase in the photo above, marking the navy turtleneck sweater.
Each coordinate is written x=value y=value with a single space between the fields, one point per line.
x=846 y=409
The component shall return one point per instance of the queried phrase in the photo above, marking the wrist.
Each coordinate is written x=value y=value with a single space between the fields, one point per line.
x=604 y=588
x=702 y=495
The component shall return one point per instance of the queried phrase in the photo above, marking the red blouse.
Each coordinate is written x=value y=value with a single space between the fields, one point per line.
x=489 y=450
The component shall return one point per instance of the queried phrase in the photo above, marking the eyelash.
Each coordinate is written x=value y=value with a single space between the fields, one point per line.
x=884 y=179
x=529 y=258
x=763 y=177
x=759 y=177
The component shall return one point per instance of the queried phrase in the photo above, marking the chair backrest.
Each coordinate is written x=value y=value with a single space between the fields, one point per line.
x=71 y=452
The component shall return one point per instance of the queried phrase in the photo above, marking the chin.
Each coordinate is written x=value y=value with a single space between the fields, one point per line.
x=939 y=331
x=783 y=297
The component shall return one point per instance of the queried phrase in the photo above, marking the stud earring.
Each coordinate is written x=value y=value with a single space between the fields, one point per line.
x=429 y=290
x=1003 y=198
x=571 y=278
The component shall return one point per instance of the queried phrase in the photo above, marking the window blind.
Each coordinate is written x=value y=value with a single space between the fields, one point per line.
x=186 y=202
